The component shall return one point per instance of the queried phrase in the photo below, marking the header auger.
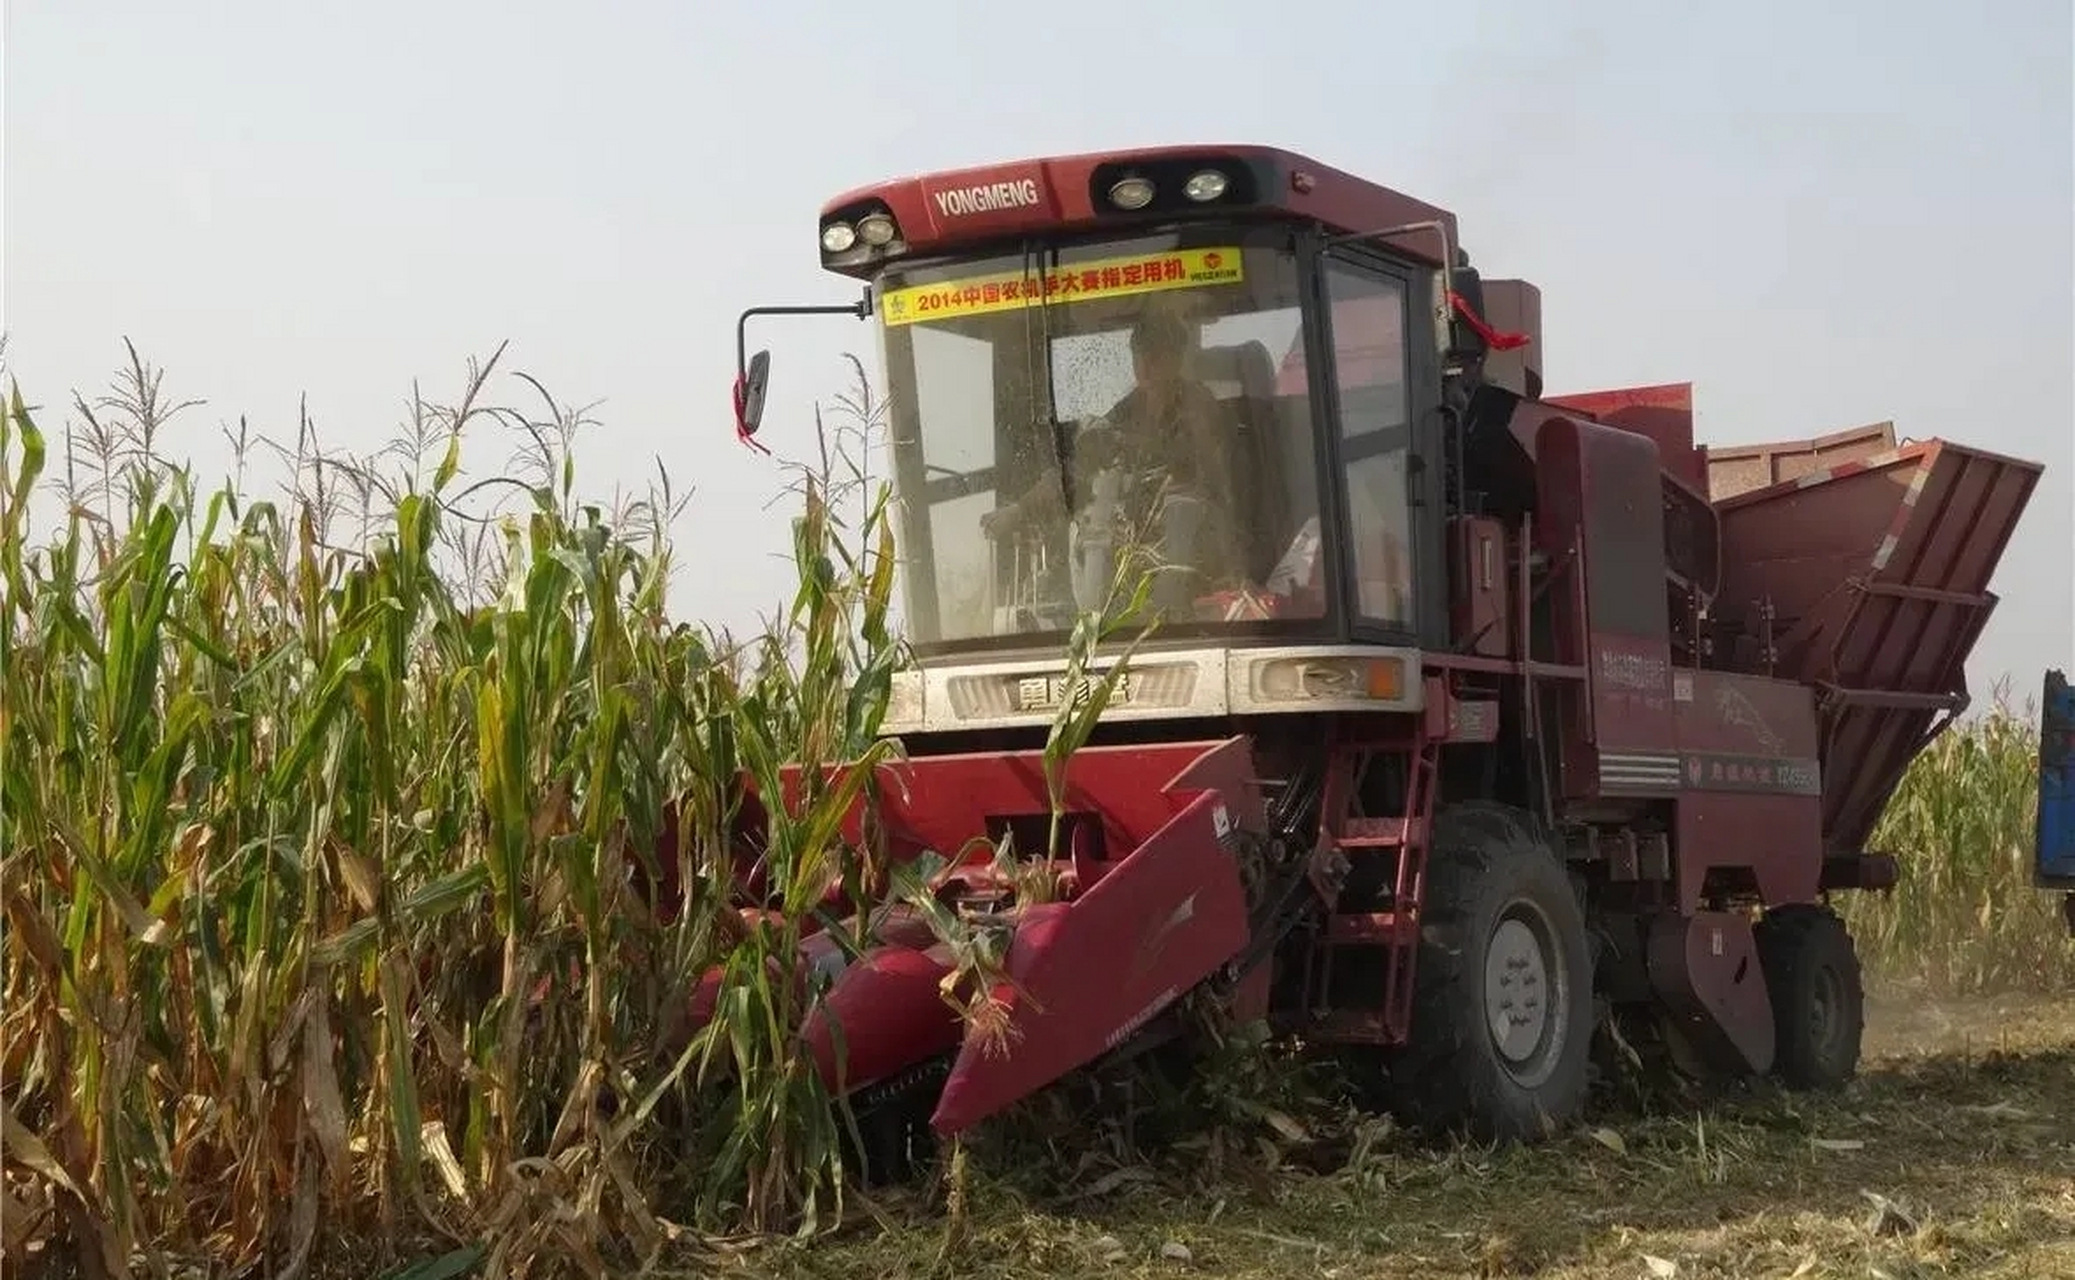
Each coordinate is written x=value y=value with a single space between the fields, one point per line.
x=1474 y=714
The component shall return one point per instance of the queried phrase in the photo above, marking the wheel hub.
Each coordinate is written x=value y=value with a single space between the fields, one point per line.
x=1517 y=992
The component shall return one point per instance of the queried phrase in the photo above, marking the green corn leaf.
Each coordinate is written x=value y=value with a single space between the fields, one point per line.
x=447 y=1266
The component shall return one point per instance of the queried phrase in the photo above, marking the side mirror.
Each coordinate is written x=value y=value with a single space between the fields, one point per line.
x=753 y=373
x=750 y=385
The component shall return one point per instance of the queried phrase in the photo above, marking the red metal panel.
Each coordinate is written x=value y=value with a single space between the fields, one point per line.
x=1559 y=535
x=1664 y=413
x=1707 y=970
x=891 y=1010
x=1477 y=585
x=1723 y=714
x=1600 y=507
x=1878 y=571
x=976 y=203
x=1153 y=905
x=1057 y=198
x=1089 y=973
x=1751 y=788
x=943 y=803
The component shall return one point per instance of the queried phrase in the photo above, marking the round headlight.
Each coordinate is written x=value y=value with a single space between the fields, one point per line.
x=1132 y=193
x=875 y=229
x=837 y=237
x=1207 y=185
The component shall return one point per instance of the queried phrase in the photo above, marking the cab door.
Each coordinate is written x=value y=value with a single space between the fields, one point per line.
x=1376 y=379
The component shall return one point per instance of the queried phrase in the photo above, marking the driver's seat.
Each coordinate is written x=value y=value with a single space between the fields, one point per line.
x=1242 y=375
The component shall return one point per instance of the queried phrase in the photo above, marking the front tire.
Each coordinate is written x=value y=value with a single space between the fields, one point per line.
x=1502 y=1022
x=1818 y=996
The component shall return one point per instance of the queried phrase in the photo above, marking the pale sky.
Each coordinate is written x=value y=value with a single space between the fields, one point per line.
x=1824 y=215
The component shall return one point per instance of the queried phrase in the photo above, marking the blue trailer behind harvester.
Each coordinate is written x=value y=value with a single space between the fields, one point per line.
x=2054 y=865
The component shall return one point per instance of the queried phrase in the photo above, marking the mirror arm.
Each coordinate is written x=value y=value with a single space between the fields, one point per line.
x=862 y=309
x=744 y=431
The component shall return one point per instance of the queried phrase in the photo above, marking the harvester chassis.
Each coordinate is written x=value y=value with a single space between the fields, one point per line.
x=1342 y=851
x=1598 y=726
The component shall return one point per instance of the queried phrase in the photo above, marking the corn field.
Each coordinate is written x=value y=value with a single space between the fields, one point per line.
x=323 y=866
x=362 y=850
x=1964 y=918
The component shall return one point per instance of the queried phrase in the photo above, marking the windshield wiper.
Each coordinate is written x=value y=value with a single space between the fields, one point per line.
x=1048 y=420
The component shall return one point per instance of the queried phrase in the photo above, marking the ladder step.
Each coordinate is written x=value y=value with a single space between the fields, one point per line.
x=1351 y=1026
x=1373 y=833
x=1376 y=833
x=1371 y=928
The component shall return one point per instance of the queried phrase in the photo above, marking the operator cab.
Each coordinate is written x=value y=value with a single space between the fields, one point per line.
x=1046 y=452
x=1232 y=399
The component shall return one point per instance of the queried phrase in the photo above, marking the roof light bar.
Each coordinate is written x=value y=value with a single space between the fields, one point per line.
x=1131 y=193
x=876 y=229
x=1205 y=185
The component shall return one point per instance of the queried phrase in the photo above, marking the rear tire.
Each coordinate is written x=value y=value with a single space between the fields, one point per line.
x=1818 y=997
x=1502 y=1020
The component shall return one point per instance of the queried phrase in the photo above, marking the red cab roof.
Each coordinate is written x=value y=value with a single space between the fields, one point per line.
x=950 y=210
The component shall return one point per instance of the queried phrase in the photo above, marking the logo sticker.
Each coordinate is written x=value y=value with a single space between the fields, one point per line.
x=989 y=197
x=1081 y=282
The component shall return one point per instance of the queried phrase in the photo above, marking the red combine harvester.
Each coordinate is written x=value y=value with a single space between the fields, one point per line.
x=1473 y=712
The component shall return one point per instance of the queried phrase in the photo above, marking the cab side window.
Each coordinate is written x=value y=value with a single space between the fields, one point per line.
x=1369 y=362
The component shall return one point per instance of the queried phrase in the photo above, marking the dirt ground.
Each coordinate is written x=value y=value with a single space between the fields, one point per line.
x=1952 y=1155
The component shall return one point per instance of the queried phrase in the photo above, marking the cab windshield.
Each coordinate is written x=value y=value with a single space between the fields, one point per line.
x=1069 y=418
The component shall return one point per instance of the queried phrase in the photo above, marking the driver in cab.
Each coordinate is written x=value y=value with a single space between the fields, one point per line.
x=1168 y=429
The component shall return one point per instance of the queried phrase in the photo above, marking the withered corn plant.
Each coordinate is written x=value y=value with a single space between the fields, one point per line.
x=812 y=706
x=1965 y=918
x=329 y=873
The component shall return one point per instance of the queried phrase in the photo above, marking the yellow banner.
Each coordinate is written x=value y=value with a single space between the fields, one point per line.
x=1108 y=278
